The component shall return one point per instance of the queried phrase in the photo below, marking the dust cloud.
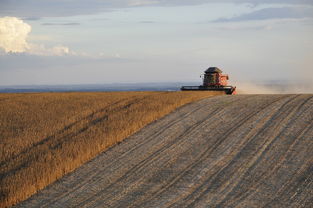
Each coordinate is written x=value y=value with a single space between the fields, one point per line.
x=274 y=88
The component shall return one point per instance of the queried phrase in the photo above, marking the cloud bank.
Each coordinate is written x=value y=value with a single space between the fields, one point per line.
x=272 y=13
x=58 y=8
x=13 y=39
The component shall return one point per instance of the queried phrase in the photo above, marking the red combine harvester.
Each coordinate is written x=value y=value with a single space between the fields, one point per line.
x=213 y=80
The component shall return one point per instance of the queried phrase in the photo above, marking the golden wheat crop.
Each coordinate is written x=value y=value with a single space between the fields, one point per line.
x=44 y=136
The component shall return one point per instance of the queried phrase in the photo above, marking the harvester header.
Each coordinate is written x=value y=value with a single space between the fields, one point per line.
x=213 y=80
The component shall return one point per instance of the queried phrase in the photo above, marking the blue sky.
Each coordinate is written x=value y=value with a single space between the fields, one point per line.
x=127 y=41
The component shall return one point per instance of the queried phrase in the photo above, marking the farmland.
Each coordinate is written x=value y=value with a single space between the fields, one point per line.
x=223 y=151
x=47 y=135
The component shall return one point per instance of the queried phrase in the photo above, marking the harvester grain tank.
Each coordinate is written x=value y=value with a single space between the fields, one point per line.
x=213 y=80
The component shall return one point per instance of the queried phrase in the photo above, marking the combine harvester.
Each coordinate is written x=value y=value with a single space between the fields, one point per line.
x=213 y=80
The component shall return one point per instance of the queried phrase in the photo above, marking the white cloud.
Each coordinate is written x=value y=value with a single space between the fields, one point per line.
x=13 y=39
x=41 y=50
x=13 y=34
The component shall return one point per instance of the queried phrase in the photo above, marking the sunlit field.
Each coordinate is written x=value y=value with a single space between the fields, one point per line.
x=47 y=135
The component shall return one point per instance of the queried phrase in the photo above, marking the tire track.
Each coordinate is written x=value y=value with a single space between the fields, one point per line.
x=204 y=155
x=222 y=171
x=196 y=189
x=280 y=160
x=288 y=152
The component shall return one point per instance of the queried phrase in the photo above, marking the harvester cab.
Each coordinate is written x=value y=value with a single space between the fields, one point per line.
x=213 y=80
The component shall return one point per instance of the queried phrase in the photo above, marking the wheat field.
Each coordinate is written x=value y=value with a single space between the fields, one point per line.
x=47 y=135
x=224 y=151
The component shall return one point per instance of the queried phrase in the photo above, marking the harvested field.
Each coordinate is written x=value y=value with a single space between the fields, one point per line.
x=44 y=136
x=225 y=151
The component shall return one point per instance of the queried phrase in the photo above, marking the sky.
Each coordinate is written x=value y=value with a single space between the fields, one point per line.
x=60 y=42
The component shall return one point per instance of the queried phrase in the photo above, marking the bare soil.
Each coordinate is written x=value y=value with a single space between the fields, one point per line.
x=225 y=151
